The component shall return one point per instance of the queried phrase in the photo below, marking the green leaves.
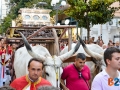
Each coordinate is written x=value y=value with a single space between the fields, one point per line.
x=15 y=8
x=95 y=11
x=91 y=11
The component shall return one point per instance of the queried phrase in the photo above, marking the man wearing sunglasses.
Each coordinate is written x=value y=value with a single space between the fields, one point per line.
x=77 y=74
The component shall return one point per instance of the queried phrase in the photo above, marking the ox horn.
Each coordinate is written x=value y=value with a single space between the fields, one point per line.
x=30 y=51
x=97 y=56
x=71 y=52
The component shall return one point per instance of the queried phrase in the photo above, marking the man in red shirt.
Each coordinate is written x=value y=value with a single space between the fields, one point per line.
x=33 y=80
x=77 y=75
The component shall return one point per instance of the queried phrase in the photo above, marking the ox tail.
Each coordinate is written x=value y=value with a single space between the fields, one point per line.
x=97 y=56
x=71 y=52
x=29 y=49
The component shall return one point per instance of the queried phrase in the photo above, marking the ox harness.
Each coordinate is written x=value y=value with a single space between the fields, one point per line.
x=57 y=72
x=81 y=76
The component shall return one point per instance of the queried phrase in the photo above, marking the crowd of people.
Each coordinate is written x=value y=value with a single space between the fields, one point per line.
x=6 y=53
x=101 y=43
x=91 y=40
x=75 y=76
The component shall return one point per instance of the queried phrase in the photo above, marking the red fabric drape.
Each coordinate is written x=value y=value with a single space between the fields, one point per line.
x=32 y=87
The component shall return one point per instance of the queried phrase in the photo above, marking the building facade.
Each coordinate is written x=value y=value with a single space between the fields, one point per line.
x=107 y=31
x=4 y=8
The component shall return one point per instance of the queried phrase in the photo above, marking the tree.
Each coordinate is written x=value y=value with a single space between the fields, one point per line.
x=15 y=8
x=21 y=4
x=12 y=14
x=87 y=12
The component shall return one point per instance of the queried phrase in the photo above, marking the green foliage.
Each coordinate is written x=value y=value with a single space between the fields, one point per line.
x=21 y=4
x=92 y=11
x=15 y=8
x=6 y=23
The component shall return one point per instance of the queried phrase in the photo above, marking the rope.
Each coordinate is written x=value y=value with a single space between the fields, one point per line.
x=56 y=72
x=63 y=85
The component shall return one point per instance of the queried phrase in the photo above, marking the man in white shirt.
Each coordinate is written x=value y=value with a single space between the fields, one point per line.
x=105 y=80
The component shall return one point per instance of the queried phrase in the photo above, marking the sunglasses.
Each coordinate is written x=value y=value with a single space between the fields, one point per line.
x=80 y=74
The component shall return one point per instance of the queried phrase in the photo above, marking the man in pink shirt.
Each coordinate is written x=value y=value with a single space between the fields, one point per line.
x=103 y=80
x=77 y=75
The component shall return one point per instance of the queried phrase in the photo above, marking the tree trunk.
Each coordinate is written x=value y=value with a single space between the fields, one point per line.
x=88 y=26
x=88 y=33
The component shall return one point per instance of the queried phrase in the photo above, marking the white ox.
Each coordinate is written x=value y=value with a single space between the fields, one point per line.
x=53 y=64
x=90 y=50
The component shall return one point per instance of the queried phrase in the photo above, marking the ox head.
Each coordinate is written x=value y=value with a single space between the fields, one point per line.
x=98 y=58
x=53 y=64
